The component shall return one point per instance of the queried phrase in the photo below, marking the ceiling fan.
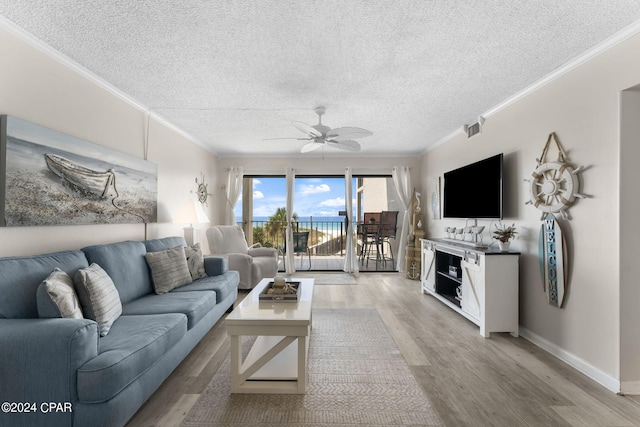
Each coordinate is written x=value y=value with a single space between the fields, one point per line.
x=320 y=135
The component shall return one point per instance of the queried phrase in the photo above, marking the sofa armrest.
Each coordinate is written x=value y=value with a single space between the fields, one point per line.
x=215 y=265
x=262 y=252
x=39 y=359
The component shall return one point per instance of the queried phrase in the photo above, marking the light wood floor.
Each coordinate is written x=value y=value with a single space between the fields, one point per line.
x=472 y=381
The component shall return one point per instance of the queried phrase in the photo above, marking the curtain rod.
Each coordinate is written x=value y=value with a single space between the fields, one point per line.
x=279 y=171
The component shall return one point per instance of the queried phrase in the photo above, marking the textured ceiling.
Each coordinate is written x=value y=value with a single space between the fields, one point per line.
x=230 y=73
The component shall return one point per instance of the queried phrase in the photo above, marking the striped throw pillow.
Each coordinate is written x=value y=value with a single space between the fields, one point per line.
x=169 y=269
x=98 y=296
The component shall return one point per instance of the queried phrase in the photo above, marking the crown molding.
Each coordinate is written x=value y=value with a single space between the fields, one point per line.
x=591 y=53
x=64 y=60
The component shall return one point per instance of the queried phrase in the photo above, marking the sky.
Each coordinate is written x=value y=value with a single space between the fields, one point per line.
x=318 y=197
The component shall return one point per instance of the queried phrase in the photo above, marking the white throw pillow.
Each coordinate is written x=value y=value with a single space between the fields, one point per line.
x=195 y=261
x=98 y=296
x=56 y=297
x=169 y=269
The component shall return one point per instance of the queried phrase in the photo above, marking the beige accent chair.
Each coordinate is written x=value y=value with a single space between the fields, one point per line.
x=253 y=263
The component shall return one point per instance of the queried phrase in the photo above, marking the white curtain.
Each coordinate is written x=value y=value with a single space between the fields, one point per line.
x=402 y=180
x=350 y=260
x=289 y=259
x=233 y=190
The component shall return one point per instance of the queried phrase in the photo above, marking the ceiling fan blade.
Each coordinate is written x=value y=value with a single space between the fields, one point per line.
x=295 y=139
x=340 y=134
x=309 y=130
x=310 y=147
x=349 y=145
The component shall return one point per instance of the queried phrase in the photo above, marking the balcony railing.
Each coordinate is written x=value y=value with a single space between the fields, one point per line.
x=325 y=237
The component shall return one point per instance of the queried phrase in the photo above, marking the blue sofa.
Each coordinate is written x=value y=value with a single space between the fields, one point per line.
x=61 y=372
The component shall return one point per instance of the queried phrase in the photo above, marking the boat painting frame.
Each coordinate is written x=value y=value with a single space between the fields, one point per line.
x=51 y=178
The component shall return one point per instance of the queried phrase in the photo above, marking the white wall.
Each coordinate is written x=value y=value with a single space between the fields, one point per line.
x=38 y=88
x=582 y=107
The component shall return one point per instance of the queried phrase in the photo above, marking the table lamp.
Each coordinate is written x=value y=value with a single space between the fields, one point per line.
x=191 y=213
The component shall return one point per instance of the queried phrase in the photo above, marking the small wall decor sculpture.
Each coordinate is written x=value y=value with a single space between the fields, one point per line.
x=435 y=198
x=50 y=178
x=553 y=189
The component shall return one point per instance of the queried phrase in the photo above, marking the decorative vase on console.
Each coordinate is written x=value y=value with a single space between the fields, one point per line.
x=504 y=235
x=504 y=246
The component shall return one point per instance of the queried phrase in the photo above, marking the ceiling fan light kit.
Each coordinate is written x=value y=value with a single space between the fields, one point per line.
x=320 y=135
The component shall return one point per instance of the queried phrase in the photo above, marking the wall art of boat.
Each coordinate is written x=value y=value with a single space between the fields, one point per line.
x=100 y=183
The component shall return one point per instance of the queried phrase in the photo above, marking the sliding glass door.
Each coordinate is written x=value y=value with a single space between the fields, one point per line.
x=319 y=215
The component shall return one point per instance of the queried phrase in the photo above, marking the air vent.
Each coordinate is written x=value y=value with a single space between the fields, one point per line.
x=471 y=130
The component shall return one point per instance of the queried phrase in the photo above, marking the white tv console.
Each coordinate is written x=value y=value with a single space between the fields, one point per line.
x=479 y=283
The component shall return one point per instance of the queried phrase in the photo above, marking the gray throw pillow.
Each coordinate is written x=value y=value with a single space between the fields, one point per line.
x=169 y=269
x=195 y=261
x=98 y=296
x=56 y=297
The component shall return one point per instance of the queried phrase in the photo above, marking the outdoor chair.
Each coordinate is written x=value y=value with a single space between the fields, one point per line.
x=300 y=246
x=368 y=234
x=388 y=229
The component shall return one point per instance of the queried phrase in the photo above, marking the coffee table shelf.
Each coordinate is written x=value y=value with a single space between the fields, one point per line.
x=277 y=360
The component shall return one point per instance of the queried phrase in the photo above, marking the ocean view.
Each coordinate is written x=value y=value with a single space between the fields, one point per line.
x=333 y=225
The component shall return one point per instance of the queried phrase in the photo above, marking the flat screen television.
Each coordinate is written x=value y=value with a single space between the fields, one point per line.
x=475 y=190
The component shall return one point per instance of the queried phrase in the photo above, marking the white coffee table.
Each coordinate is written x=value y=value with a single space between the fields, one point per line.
x=277 y=361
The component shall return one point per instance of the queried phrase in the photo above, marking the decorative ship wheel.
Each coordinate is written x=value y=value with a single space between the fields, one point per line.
x=554 y=186
x=202 y=191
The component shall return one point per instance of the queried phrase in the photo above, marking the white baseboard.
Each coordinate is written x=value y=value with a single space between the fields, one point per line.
x=576 y=362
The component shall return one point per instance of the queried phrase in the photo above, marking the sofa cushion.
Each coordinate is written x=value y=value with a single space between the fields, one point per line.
x=124 y=262
x=21 y=276
x=155 y=245
x=195 y=261
x=192 y=304
x=169 y=269
x=98 y=296
x=134 y=344
x=223 y=285
x=56 y=297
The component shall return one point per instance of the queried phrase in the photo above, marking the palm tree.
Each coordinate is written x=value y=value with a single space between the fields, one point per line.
x=259 y=237
x=278 y=223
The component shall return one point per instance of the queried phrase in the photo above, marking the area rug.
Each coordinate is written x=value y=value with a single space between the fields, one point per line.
x=356 y=376
x=329 y=278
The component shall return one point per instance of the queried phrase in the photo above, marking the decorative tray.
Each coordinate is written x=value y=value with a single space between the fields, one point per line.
x=288 y=297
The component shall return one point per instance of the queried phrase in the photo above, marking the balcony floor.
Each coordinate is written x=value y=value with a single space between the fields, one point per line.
x=336 y=263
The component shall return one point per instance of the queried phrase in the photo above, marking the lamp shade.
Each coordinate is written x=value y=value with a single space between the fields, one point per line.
x=191 y=212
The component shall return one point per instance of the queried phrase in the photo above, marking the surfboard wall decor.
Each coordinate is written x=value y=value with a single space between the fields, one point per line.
x=553 y=188
x=552 y=256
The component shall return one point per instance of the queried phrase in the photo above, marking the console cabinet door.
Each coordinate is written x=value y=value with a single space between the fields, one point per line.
x=472 y=287
x=428 y=272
